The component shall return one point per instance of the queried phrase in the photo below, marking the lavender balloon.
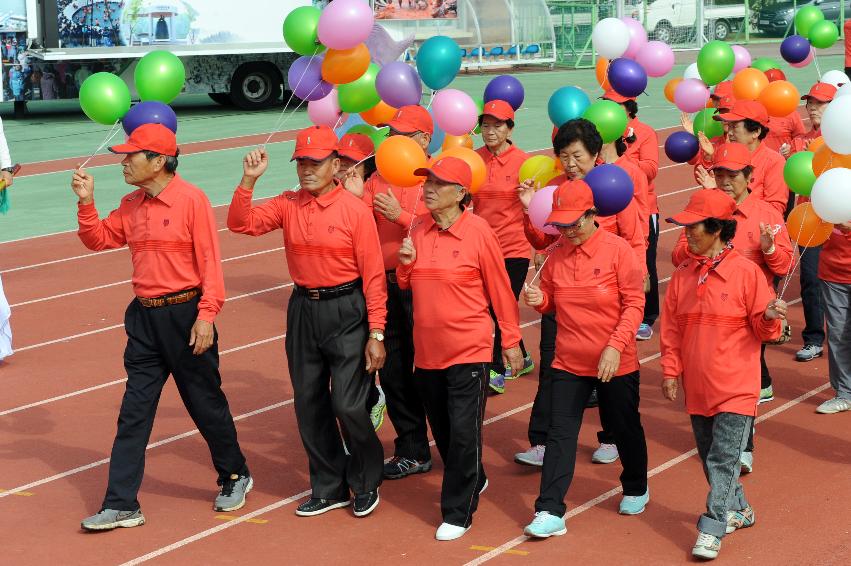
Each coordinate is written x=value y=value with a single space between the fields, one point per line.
x=150 y=112
x=627 y=77
x=637 y=37
x=691 y=95
x=656 y=57
x=305 y=79
x=743 y=58
x=398 y=85
x=540 y=208
x=507 y=88
x=345 y=23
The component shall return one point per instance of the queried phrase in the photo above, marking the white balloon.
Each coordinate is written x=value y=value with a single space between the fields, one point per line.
x=610 y=38
x=831 y=196
x=835 y=78
x=692 y=72
x=835 y=125
x=844 y=90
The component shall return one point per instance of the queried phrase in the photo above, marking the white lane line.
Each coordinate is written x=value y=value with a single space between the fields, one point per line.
x=685 y=190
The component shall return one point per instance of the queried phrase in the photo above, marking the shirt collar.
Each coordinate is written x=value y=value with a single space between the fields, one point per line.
x=305 y=198
x=726 y=267
x=505 y=155
x=169 y=194
x=745 y=209
x=458 y=229
x=590 y=246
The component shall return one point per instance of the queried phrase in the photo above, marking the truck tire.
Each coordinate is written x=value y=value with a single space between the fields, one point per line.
x=664 y=32
x=720 y=29
x=255 y=86
x=222 y=98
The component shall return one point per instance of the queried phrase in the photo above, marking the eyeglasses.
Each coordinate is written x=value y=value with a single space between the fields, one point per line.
x=575 y=226
x=392 y=133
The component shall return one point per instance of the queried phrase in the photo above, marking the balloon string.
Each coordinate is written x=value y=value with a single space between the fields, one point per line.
x=278 y=123
x=796 y=257
x=414 y=211
x=109 y=136
x=282 y=123
x=431 y=99
x=537 y=273
x=818 y=68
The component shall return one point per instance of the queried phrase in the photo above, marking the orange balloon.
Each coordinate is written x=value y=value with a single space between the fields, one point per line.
x=558 y=165
x=601 y=71
x=806 y=228
x=345 y=65
x=749 y=83
x=780 y=98
x=397 y=159
x=381 y=113
x=824 y=158
x=670 y=87
x=451 y=141
x=473 y=159
x=816 y=144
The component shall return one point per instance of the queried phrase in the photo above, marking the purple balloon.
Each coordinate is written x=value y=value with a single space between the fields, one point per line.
x=398 y=85
x=305 y=79
x=627 y=77
x=795 y=49
x=612 y=188
x=150 y=112
x=507 y=88
x=680 y=147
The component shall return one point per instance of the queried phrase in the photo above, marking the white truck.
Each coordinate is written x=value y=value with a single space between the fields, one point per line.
x=670 y=20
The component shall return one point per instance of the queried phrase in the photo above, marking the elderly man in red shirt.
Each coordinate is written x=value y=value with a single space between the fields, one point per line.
x=177 y=278
x=718 y=308
x=335 y=317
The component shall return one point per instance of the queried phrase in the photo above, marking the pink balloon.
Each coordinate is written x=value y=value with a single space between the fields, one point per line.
x=743 y=58
x=345 y=24
x=806 y=61
x=455 y=112
x=656 y=57
x=691 y=95
x=326 y=111
x=637 y=37
x=540 y=208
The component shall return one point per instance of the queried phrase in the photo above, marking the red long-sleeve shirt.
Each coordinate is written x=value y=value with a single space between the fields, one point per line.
x=596 y=290
x=645 y=153
x=391 y=233
x=767 y=178
x=329 y=240
x=783 y=130
x=713 y=340
x=458 y=273
x=639 y=192
x=496 y=200
x=173 y=242
x=748 y=216
x=835 y=259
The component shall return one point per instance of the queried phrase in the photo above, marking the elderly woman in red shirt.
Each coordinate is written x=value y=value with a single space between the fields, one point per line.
x=718 y=311
x=453 y=265
x=594 y=282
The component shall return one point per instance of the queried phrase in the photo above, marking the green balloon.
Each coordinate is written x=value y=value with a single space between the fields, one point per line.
x=360 y=95
x=703 y=122
x=159 y=76
x=715 y=62
x=806 y=18
x=300 y=28
x=798 y=173
x=609 y=117
x=823 y=34
x=764 y=64
x=377 y=135
x=480 y=104
x=104 y=98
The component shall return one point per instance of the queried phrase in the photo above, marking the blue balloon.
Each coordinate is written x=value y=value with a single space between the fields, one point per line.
x=150 y=112
x=612 y=188
x=795 y=49
x=437 y=137
x=627 y=77
x=438 y=61
x=352 y=121
x=681 y=147
x=507 y=88
x=567 y=103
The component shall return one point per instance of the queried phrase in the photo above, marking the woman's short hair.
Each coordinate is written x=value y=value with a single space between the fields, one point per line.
x=579 y=129
x=726 y=229
x=753 y=126
x=631 y=108
x=508 y=122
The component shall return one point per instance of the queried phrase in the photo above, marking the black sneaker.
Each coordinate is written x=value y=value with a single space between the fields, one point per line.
x=398 y=467
x=317 y=506
x=366 y=503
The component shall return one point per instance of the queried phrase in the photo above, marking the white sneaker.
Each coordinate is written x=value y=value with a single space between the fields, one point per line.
x=835 y=405
x=746 y=462
x=450 y=532
x=534 y=456
x=605 y=454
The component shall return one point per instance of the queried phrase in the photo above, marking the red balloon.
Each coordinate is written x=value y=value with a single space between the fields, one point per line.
x=774 y=75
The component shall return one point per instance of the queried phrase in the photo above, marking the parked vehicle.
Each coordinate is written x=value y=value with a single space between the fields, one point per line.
x=776 y=19
x=666 y=20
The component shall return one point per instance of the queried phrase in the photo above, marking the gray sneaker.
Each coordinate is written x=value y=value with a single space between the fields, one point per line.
x=109 y=519
x=835 y=405
x=809 y=352
x=232 y=495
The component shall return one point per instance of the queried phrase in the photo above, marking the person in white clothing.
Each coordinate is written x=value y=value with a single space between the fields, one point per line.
x=5 y=328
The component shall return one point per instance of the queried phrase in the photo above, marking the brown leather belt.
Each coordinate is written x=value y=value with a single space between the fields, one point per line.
x=173 y=299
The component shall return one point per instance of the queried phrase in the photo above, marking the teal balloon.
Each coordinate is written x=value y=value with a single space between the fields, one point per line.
x=104 y=98
x=567 y=103
x=609 y=117
x=360 y=95
x=715 y=62
x=798 y=173
x=438 y=61
x=703 y=122
x=159 y=76
x=823 y=34
x=300 y=32
x=764 y=64
x=806 y=18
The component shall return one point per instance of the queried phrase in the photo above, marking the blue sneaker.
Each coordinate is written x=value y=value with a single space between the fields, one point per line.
x=497 y=382
x=645 y=332
x=528 y=365
x=545 y=525
x=634 y=504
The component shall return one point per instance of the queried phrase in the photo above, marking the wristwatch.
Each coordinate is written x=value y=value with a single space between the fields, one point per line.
x=377 y=335
x=8 y=169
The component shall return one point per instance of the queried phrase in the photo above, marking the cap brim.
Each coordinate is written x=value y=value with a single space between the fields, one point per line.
x=313 y=154
x=620 y=99
x=399 y=127
x=686 y=218
x=125 y=148
x=564 y=217
x=426 y=171
x=728 y=116
x=728 y=165
x=353 y=155
x=808 y=96
x=501 y=118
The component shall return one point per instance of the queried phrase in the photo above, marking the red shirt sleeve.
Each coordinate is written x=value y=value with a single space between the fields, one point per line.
x=257 y=220
x=540 y=240
x=371 y=266
x=671 y=337
x=205 y=241
x=648 y=154
x=774 y=190
x=498 y=288
x=631 y=289
x=630 y=228
x=781 y=260
x=97 y=234
x=679 y=254
x=764 y=329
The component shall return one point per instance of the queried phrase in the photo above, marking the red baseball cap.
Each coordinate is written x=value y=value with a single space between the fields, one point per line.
x=703 y=204
x=722 y=90
x=615 y=96
x=315 y=143
x=356 y=147
x=449 y=170
x=571 y=200
x=149 y=137
x=744 y=110
x=411 y=119
x=725 y=103
x=499 y=109
x=731 y=156
x=823 y=92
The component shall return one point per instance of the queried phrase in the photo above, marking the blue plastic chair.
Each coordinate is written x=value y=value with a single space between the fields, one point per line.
x=475 y=52
x=533 y=49
x=512 y=51
x=463 y=53
x=496 y=51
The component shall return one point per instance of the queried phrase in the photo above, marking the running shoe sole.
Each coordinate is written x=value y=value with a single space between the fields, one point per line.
x=370 y=509
x=548 y=535
x=338 y=505
x=125 y=523
x=521 y=460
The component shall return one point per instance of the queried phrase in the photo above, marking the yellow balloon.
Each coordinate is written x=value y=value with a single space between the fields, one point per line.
x=539 y=169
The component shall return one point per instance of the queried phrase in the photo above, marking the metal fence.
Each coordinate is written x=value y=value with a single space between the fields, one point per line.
x=683 y=24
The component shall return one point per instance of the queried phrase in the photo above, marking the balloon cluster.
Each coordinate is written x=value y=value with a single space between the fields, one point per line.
x=159 y=77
